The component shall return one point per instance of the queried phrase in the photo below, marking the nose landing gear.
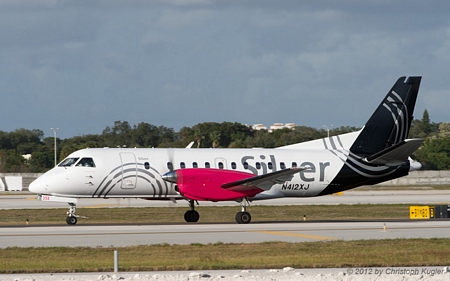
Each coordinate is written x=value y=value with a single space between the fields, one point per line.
x=71 y=218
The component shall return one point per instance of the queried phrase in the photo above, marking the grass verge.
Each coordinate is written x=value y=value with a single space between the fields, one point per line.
x=332 y=254
x=207 y=214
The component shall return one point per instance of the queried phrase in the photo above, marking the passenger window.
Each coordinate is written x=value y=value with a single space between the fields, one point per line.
x=220 y=165
x=169 y=166
x=86 y=162
x=270 y=165
x=147 y=165
x=68 y=162
x=182 y=165
x=282 y=166
x=194 y=165
x=246 y=165
x=233 y=165
x=207 y=165
x=294 y=164
x=258 y=165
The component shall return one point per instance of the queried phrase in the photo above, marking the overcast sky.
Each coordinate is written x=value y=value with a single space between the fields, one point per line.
x=81 y=65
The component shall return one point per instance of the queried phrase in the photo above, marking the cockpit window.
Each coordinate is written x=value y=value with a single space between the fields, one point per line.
x=68 y=162
x=86 y=162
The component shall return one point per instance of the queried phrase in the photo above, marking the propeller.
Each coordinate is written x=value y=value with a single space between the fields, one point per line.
x=170 y=176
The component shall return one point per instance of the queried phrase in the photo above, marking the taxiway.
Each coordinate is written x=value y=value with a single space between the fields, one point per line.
x=129 y=235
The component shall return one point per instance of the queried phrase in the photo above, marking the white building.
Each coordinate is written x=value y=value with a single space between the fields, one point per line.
x=275 y=126
x=259 y=127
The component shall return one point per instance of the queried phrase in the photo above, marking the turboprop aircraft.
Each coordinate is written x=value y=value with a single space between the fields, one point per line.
x=376 y=153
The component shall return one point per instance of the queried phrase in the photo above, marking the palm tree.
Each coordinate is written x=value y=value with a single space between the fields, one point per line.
x=198 y=135
x=215 y=137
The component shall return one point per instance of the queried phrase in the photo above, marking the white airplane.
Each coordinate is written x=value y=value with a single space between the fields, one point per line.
x=377 y=153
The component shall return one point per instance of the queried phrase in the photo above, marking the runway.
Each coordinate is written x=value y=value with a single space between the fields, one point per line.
x=184 y=233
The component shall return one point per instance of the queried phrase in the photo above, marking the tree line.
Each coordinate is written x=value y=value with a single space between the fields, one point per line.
x=434 y=153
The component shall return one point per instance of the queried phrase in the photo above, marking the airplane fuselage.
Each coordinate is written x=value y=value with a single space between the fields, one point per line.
x=138 y=172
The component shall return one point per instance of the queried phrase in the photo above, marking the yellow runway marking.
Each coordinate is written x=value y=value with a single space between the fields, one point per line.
x=31 y=198
x=283 y=233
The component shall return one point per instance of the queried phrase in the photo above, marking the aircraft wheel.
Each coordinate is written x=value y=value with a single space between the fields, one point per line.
x=71 y=220
x=238 y=217
x=191 y=216
x=243 y=217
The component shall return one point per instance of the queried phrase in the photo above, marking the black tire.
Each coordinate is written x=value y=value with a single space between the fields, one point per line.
x=71 y=220
x=238 y=217
x=243 y=217
x=191 y=216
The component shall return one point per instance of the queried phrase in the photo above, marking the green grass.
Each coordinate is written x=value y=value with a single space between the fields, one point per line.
x=207 y=214
x=364 y=253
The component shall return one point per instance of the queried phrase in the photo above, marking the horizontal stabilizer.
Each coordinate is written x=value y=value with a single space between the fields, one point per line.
x=396 y=154
x=265 y=181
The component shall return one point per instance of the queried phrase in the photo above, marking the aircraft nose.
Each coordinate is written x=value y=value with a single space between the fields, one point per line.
x=37 y=186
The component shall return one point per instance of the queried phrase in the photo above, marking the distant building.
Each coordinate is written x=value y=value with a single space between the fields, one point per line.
x=27 y=156
x=259 y=127
x=290 y=126
x=275 y=126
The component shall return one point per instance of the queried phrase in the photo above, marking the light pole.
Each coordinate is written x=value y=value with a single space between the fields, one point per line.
x=328 y=130
x=54 y=135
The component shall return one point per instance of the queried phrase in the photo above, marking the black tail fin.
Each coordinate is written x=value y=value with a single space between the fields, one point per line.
x=390 y=123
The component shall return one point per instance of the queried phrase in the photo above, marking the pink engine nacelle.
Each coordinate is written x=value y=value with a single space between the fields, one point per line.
x=205 y=184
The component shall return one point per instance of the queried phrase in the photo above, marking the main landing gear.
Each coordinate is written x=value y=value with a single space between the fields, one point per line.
x=242 y=217
x=192 y=215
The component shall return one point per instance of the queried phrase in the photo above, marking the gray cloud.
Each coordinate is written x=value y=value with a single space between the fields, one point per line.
x=81 y=65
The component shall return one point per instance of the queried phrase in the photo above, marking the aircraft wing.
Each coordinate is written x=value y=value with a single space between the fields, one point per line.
x=265 y=181
x=396 y=154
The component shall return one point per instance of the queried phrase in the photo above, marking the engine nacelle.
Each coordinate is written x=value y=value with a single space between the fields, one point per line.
x=205 y=184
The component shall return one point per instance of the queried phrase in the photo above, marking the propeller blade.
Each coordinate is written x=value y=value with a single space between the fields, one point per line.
x=170 y=159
